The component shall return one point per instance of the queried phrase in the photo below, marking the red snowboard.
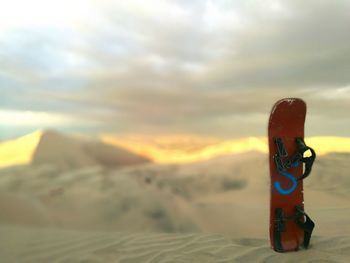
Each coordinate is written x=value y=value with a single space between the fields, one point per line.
x=289 y=225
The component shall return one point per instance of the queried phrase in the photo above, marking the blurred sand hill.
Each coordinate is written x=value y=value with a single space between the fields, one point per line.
x=65 y=152
x=77 y=200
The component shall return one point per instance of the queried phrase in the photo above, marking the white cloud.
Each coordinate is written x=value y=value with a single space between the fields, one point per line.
x=30 y=118
x=171 y=65
x=342 y=93
x=42 y=13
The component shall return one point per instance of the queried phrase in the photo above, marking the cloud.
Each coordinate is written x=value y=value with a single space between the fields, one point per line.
x=28 y=118
x=210 y=67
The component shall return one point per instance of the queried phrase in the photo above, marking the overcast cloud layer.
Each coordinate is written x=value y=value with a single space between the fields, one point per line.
x=203 y=67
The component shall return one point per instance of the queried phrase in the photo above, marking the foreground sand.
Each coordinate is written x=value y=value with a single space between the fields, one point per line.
x=163 y=213
x=29 y=244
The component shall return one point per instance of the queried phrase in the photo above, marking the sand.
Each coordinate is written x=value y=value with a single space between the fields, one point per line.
x=208 y=211
x=23 y=244
x=66 y=151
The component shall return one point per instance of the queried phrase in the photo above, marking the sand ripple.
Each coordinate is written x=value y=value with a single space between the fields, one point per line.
x=36 y=245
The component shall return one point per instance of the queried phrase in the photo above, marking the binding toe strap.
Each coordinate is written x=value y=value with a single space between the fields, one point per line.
x=306 y=225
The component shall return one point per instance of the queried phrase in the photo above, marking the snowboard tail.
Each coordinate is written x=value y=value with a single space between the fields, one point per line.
x=290 y=226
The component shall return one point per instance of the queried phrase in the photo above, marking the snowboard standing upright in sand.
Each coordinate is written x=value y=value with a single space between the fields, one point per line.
x=290 y=226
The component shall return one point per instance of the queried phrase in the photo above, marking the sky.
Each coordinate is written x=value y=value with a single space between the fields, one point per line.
x=210 y=68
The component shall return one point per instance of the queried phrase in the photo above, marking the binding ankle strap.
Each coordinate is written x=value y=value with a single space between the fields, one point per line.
x=307 y=225
x=308 y=161
x=284 y=165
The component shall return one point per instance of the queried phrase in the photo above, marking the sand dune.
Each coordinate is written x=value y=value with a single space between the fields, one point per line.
x=223 y=195
x=72 y=153
x=66 y=152
x=89 y=198
x=19 y=244
x=226 y=197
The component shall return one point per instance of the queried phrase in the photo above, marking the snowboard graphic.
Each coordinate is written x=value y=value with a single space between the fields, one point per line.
x=290 y=226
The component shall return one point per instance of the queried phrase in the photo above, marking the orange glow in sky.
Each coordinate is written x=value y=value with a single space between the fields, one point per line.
x=179 y=149
x=170 y=149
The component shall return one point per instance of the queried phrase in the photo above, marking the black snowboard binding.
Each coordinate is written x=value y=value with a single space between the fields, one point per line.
x=284 y=165
x=301 y=219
